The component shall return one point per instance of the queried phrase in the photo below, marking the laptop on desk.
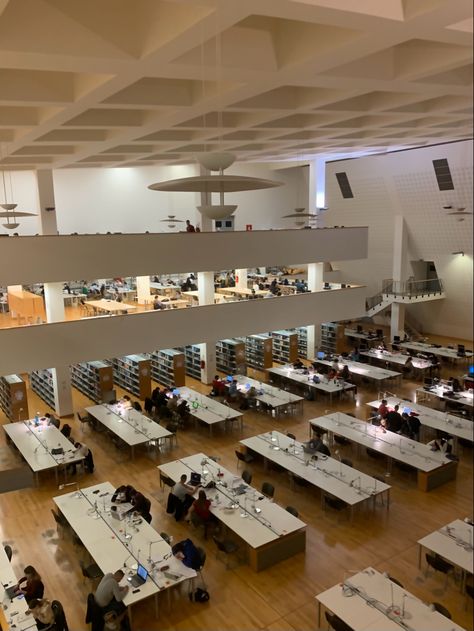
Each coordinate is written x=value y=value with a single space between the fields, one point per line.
x=140 y=577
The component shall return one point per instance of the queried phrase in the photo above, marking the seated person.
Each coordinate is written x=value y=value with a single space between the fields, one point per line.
x=114 y=621
x=443 y=444
x=332 y=374
x=30 y=585
x=66 y=431
x=233 y=391
x=200 y=513
x=183 y=410
x=52 y=420
x=187 y=552
x=183 y=493
x=218 y=387
x=298 y=364
x=393 y=420
x=109 y=594
x=123 y=494
x=316 y=444
x=142 y=505
x=48 y=615
x=172 y=403
x=354 y=355
x=345 y=374
x=382 y=409
x=125 y=401
x=83 y=450
x=411 y=426
x=157 y=304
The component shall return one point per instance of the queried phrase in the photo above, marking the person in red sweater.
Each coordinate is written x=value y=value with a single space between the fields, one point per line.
x=30 y=584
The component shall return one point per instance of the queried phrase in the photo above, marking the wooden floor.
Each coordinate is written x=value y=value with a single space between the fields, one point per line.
x=280 y=598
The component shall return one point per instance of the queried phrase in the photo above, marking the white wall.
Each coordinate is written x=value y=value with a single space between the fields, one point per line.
x=63 y=343
x=404 y=183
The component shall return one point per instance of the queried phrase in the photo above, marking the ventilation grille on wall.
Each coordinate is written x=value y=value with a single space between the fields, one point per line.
x=443 y=175
x=344 y=185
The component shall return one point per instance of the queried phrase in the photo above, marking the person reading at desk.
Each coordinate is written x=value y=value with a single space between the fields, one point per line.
x=52 y=420
x=181 y=498
x=218 y=387
x=30 y=585
x=393 y=420
x=109 y=594
x=200 y=513
x=316 y=444
x=125 y=402
x=123 y=494
x=157 y=305
x=443 y=444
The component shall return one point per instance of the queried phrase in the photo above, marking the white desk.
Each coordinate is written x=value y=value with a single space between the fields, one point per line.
x=115 y=544
x=329 y=475
x=110 y=306
x=328 y=386
x=270 y=532
x=13 y=612
x=378 y=375
x=241 y=291
x=129 y=425
x=433 y=467
x=453 y=425
x=208 y=410
x=279 y=400
x=36 y=443
x=391 y=605
x=454 y=543
x=464 y=398
x=443 y=351
x=363 y=335
x=386 y=356
x=171 y=290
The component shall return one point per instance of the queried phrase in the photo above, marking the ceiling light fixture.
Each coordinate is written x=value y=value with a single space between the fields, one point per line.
x=9 y=211
x=220 y=183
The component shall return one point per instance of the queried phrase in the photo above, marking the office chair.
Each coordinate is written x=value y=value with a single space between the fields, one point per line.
x=442 y=610
x=92 y=572
x=243 y=457
x=394 y=580
x=292 y=511
x=247 y=476
x=268 y=489
x=226 y=547
x=439 y=565
x=290 y=435
x=83 y=420
x=336 y=623
x=8 y=551
x=166 y=537
x=347 y=462
x=165 y=481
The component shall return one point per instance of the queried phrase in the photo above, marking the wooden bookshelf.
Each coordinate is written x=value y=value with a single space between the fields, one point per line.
x=168 y=367
x=230 y=355
x=192 y=360
x=333 y=339
x=93 y=379
x=259 y=351
x=41 y=382
x=285 y=346
x=13 y=398
x=133 y=373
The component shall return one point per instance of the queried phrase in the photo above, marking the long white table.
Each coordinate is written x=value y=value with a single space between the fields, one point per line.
x=376 y=374
x=363 y=335
x=279 y=400
x=129 y=425
x=398 y=359
x=208 y=410
x=270 y=532
x=300 y=377
x=110 y=306
x=370 y=601
x=12 y=612
x=36 y=442
x=454 y=543
x=121 y=544
x=442 y=351
x=428 y=417
x=331 y=476
x=440 y=392
x=434 y=468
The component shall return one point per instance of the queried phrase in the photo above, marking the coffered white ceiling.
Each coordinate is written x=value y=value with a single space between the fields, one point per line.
x=137 y=82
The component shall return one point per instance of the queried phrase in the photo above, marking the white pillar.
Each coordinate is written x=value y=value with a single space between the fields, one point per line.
x=315 y=276
x=313 y=340
x=208 y=349
x=47 y=218
x=204 y=200
x=53 y=292
x=143 y=289
x=399 y=273
x=241 y=279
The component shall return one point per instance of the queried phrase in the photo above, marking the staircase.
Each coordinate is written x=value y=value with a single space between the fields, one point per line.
x=405 y=292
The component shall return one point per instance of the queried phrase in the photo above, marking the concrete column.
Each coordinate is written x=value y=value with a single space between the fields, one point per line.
x=315 y=276
x=208 y=349
x=47 y=218
x=53 y=292
x=241 y=279
x=314 y=339
x=143 y=289
x=399 y=273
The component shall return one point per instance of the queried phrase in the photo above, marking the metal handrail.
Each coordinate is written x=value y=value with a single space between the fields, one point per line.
x=414 y=287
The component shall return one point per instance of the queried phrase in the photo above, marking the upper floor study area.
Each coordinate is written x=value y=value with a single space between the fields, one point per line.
x=26 y=260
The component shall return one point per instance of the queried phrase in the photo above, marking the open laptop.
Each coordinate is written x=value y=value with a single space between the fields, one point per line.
x=140 y=577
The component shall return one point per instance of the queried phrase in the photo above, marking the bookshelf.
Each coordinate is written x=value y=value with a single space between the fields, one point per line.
x=333 y=339
x=93 y=379
x=167 y=367
x=302 y=341
x=192 y=360
x=259 y=351
x=285 y=346
x=132 y=373
x=41 y=382
x=13 y=398
x=230 y=355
